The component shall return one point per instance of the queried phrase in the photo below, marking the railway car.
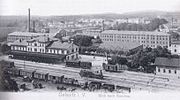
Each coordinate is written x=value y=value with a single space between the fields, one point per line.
x=28 y=73
x=114 y=68
x=79 y=64
x=108 y=87
x=41 y=75
x=75 y=64
x=55 y=78
x=91 y=74
x=86 y=65
x=68 y=81
x=122 y=88
x=94 y=85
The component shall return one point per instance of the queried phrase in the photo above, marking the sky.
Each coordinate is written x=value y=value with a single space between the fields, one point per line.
x=76 y=7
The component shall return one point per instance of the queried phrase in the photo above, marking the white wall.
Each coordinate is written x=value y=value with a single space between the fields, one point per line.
x=166 y=73
x=174 y=47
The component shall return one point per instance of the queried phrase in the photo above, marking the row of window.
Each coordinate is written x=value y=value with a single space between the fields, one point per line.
x=152 y=42
x=137 y=37
x=42 y=50
x=18 y=48
x=57 y=51
x=169 y=71
x=35 y=44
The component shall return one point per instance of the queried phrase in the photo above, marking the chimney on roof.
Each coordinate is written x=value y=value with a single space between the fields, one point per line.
x=29 y=20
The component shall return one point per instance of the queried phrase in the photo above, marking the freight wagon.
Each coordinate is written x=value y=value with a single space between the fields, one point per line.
x=79 y=64
x=91 y=74
x=114 y=68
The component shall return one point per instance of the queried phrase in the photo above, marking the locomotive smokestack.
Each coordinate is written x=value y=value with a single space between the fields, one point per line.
x=29 y=23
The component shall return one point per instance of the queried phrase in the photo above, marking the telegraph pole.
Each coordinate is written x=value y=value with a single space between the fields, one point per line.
x=29 y=23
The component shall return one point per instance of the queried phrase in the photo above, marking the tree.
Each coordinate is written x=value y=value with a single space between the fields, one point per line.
x=175 y=35
x=6 y=83
x=82 y=40
x=118 y=60
x=5 y=48
x=147 y=56
x=153 y=25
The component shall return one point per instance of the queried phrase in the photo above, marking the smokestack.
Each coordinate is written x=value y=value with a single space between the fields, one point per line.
x=103 y=25
x=34 y=25
x=29 y=23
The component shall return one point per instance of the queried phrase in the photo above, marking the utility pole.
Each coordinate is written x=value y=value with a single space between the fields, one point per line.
x=29 y=23
x=172 y=22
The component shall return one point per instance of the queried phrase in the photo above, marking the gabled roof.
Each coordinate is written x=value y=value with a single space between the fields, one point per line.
x=20 y=43
x=176 y=42
x=41 y=39
x=167 y=62
x=31 y=34
x=61 y=45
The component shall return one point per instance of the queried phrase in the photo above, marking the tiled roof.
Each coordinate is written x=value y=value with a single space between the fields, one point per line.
x=169 y=62
x=31 y=34
x=61 y=45
x=119 y=46
x=42 y=39
x=133 y=32
x=175 y=42
x=20 y=43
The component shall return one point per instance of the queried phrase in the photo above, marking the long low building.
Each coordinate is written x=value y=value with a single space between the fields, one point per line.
x=44 y=49
x=168 y=67
x=26 y=36
x=129 y=39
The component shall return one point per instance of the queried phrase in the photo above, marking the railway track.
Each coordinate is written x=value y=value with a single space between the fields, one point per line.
x=134 y=83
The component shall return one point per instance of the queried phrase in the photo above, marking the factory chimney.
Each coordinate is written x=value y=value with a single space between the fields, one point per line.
x=103 y=25
x=34 y=26
x=29 y=23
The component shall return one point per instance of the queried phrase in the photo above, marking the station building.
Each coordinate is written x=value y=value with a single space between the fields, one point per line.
x=129 y=39
x=168 y=67
x=44 y=49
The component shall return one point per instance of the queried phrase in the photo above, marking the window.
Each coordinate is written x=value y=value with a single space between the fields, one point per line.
x=169 y=71
x=175 y=50
x=72 y=50
x=159 y=70
x=35 y=44
x=164 y=70
x=35 y=50
x=60 y=52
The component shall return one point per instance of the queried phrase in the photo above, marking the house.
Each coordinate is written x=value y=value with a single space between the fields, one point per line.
x=175 y=47
x=168 y=67
x=44 y=49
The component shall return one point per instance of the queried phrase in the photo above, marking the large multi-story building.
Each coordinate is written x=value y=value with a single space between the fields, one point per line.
x=127 y=39
x=44 y=49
